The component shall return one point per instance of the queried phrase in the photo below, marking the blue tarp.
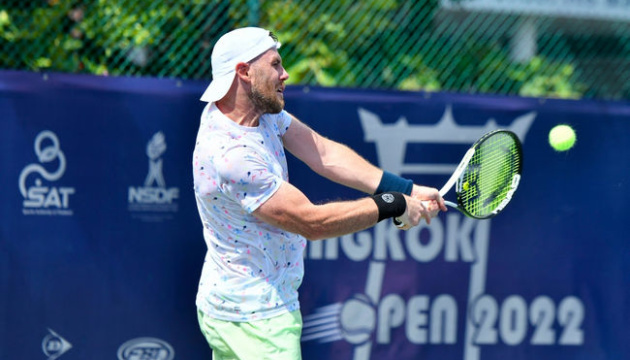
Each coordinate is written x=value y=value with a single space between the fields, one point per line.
x=101 y=245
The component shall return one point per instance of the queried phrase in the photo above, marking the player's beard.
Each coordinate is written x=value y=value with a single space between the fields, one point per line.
x=266 y=100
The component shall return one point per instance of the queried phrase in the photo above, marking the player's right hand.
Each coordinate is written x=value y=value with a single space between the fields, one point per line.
x=415 y=212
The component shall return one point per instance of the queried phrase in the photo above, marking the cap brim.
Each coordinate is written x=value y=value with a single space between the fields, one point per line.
x=218 y=88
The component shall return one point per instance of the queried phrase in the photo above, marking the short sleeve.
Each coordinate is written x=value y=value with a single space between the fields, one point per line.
x=245 y=177
x=284 y=121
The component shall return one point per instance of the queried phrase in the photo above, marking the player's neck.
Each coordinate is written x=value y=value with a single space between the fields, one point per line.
x=241 y=112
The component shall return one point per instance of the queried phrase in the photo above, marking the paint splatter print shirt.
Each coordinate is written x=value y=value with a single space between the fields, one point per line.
x=252 y=270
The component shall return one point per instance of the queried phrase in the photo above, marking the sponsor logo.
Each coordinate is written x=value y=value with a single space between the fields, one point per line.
x=37 y=181
x=388 y=198
x=146 y=348
x=154 y=201
x=54 y=345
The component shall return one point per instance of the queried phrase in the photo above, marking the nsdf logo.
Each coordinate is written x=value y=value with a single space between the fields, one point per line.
x=154 y=201
x=146 y=348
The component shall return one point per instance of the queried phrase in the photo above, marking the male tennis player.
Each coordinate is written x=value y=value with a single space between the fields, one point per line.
x=255 y=223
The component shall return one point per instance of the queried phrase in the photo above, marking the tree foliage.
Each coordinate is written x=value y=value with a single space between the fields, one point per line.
x=347 y=43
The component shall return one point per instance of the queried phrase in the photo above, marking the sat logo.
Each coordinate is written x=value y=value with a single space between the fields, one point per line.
x=36 y=180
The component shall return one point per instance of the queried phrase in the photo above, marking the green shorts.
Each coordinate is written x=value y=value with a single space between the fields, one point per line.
x=277 y=338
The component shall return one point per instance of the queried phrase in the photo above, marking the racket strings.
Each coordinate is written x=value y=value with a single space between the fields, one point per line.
x=490 y=174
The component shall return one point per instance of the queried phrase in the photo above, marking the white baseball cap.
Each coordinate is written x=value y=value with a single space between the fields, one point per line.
x=240 y=45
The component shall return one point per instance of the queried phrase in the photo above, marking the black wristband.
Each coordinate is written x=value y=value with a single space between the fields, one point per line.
x=390 y=204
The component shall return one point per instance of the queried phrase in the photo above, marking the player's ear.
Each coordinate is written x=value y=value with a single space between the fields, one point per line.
x=242 y=71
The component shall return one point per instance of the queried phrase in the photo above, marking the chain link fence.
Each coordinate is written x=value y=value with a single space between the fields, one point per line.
x=555 y=48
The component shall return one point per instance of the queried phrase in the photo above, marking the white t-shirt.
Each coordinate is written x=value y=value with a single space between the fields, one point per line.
x=252 y=270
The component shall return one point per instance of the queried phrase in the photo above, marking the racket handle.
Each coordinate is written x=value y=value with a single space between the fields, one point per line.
x=451 y=204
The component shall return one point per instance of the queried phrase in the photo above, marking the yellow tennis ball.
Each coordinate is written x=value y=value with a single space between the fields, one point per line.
x=562 y=137
x=466 y=186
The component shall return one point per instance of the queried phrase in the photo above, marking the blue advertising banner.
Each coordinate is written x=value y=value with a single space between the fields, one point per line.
x=101 y=246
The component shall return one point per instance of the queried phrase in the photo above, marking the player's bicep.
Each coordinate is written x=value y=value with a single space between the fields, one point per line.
x=305 y=144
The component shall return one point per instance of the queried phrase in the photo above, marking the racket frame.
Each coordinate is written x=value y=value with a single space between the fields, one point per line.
x=459 y=173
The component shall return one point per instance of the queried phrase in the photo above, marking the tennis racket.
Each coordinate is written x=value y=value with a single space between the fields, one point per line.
x=487 y=176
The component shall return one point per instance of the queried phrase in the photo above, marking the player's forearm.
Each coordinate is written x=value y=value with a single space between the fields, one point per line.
x=340 y=218
x=317 y=222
